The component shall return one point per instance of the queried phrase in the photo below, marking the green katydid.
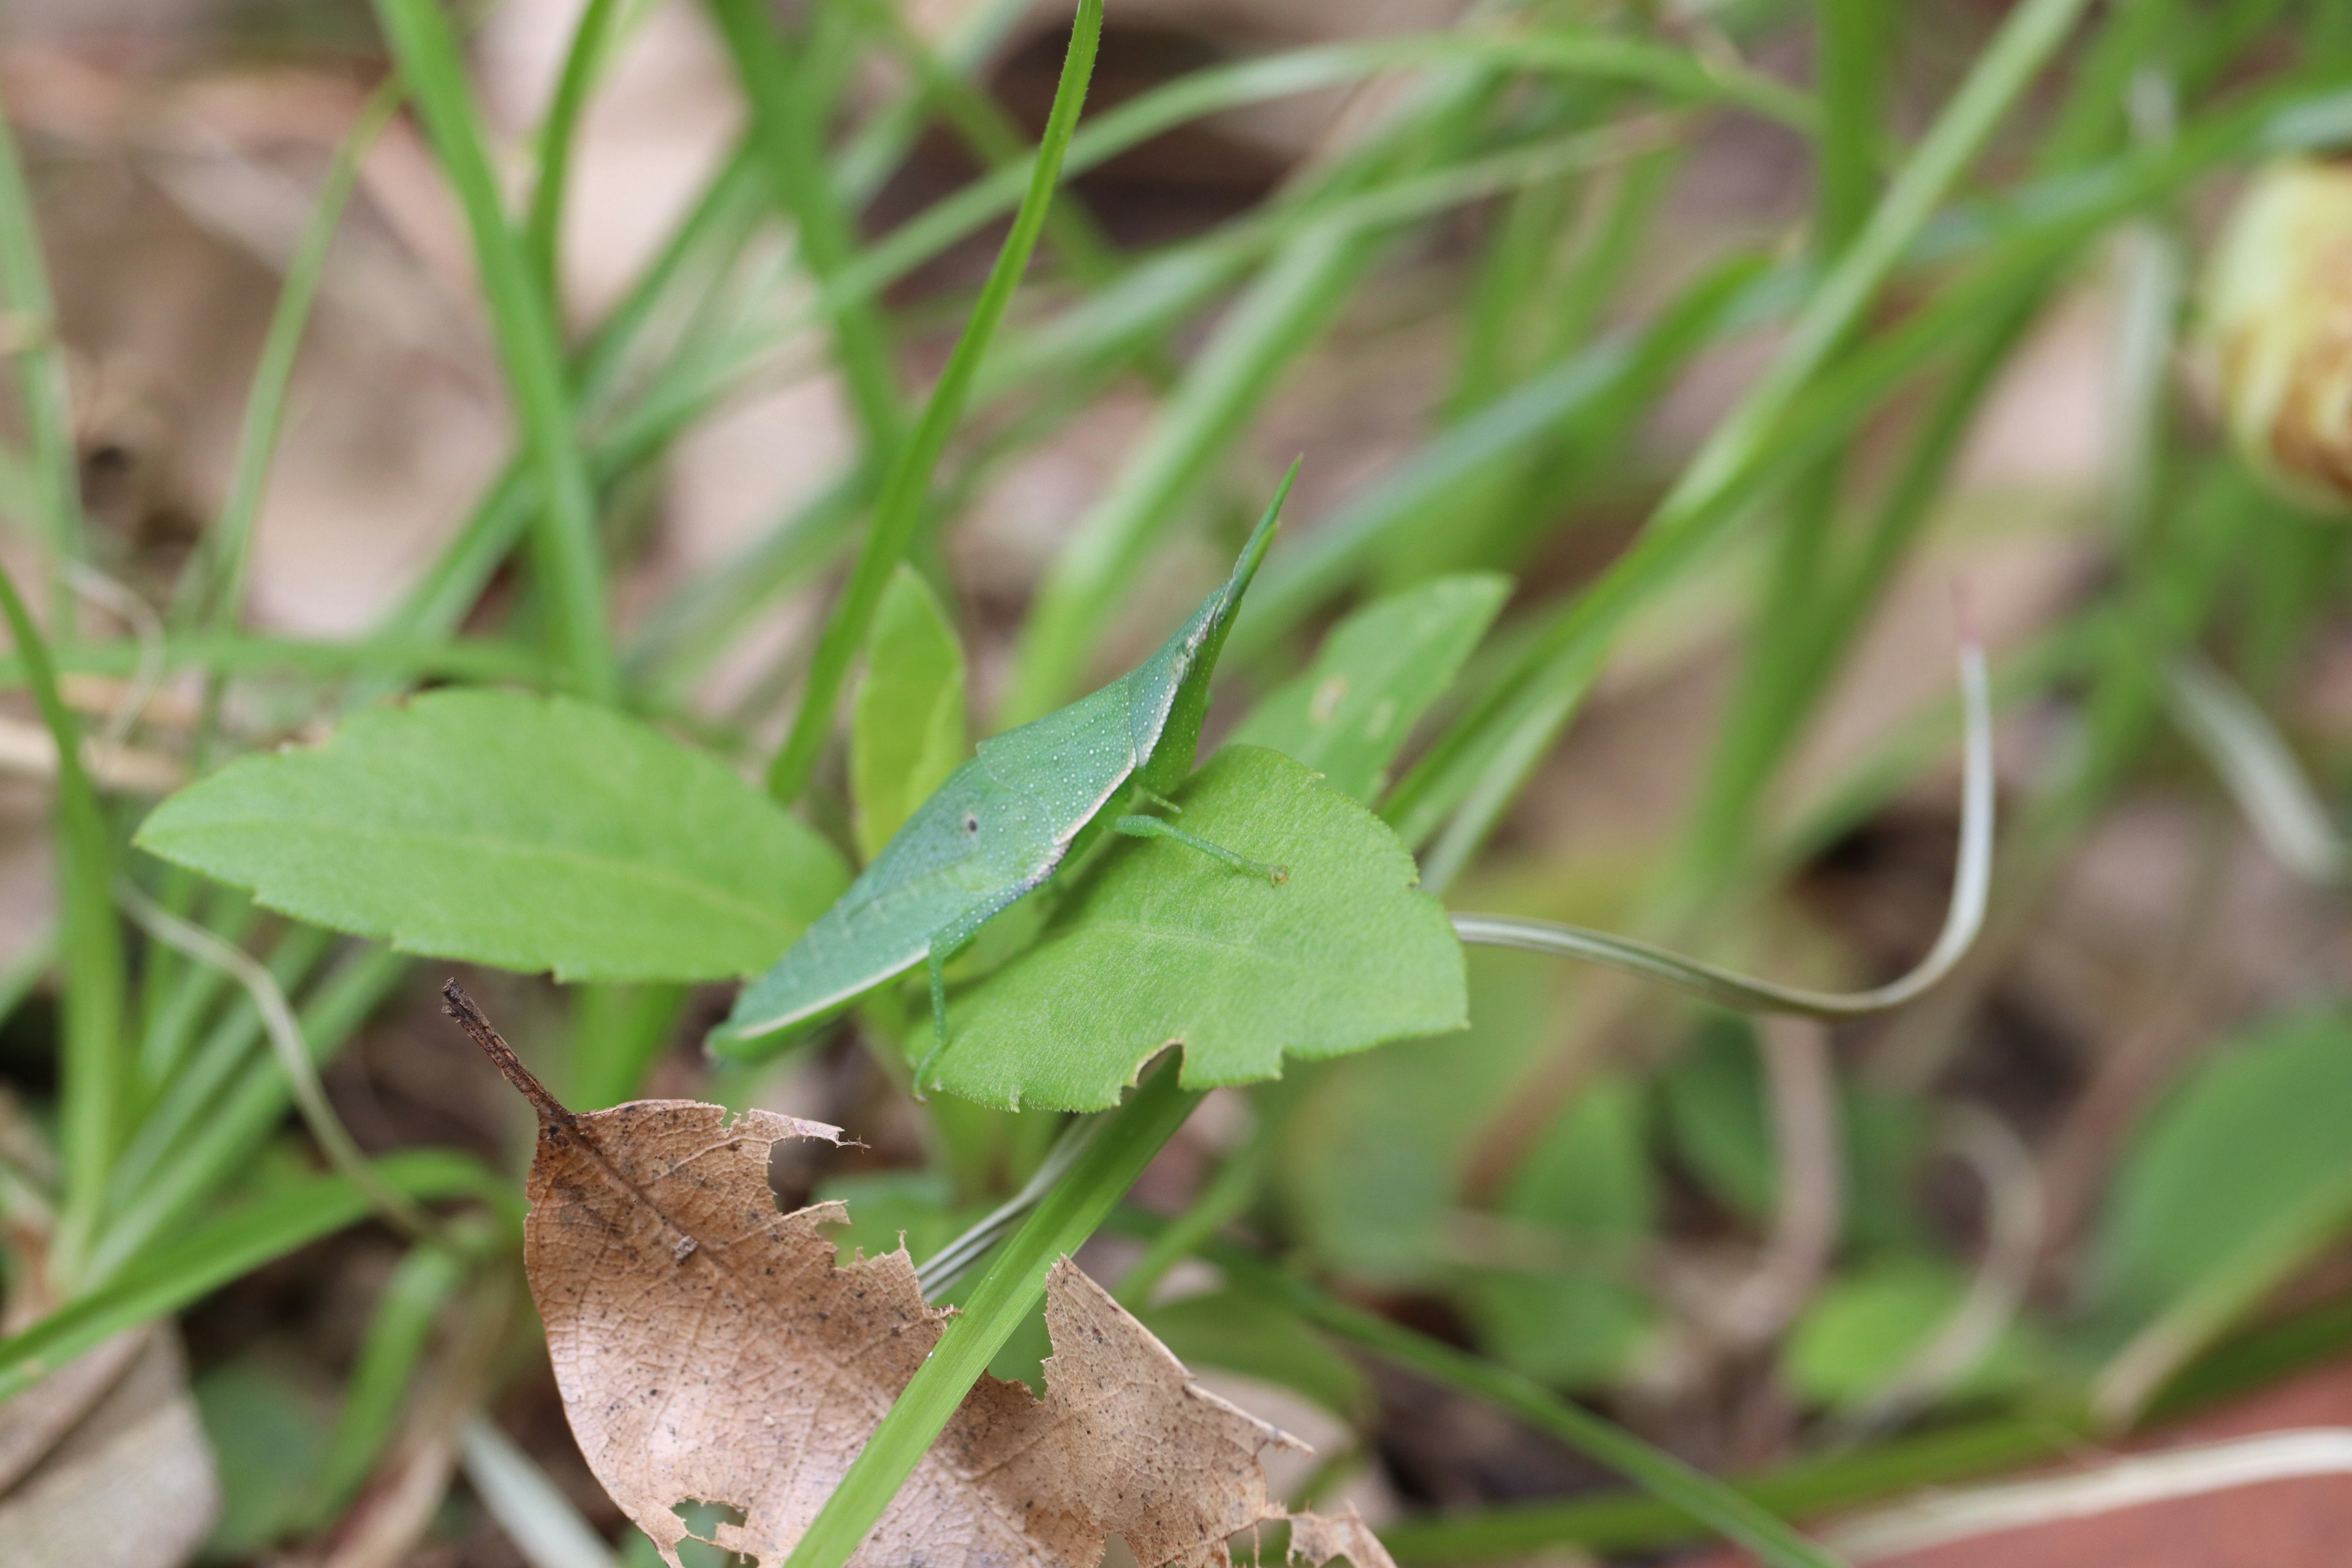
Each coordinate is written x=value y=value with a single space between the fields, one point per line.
x=999 y=825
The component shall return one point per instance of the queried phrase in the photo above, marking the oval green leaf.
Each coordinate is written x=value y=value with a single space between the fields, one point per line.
x=524 y=832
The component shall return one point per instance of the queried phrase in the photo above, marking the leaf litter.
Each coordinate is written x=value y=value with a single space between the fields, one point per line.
x=104 y=1462
x=717 y=1366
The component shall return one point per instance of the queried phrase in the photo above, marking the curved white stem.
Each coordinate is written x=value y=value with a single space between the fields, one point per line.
x=1962 y=920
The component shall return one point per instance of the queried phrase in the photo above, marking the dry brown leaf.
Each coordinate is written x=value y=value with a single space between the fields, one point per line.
x=33 y=1423
x=131 y=1483
x=1320 y=1536
x=104 y=1462
x=709 y=1351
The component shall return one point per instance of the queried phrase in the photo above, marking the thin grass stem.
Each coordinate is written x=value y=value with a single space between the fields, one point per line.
x=43 y=394
x=94 y=1067
x=543 y=232
x=908 y=488
x=571 y=552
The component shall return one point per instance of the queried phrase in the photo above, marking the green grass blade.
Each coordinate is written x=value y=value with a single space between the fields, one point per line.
x=245 y=1119
x=1851 y=57
x=989 y=132
x=788 y=105
x=1284 y=312
x=1520 y=723
x=1013 y=1284
x=175 y=1273
x=1634 y=1524
x=543 y=231
x=213 y=591
x=1850 y=53
x=26 y=967
x=405 y=1315
x=292 y=1053
x=469 y=658
x=456 y=578
x=1538 y=411
x=908 y=485
x=1205 y=92
x=618 y=1032
x=571 y=552
x=1670 y=1480
x=45 y=399
x=94 y=1071
x=194 y=1081
x=1764 y=722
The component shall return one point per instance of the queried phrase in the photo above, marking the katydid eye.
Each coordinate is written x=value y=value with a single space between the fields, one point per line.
x=970 y=822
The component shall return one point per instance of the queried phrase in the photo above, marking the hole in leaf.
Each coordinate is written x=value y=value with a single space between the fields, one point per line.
x=702 y=1521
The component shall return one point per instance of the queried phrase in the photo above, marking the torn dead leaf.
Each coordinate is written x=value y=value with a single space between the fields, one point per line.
x=713 y=1359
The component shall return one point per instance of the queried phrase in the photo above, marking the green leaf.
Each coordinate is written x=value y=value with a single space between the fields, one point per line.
x=2249 y=1135
x=1162 y=945
x=1571 y=1332
x=1583 y=1321
x=1719 y=1127
x=1589 y=1174
x=1378 y=672
x=1716 y=1117
x=268 y=1435
x=1260 y=1338
x=518 y=831
x=908 y=730
x=1865 y=1328
x=1370 y=1163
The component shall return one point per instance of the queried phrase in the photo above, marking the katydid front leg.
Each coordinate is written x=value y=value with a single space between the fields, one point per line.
x=1152 y=827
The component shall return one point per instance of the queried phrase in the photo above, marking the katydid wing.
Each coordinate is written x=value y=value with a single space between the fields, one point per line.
x=1000 y=824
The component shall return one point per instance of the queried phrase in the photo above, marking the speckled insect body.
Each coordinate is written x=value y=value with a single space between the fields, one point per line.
x=998 y=826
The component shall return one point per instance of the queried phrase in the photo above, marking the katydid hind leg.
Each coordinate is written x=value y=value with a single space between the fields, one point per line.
x=1152 y=827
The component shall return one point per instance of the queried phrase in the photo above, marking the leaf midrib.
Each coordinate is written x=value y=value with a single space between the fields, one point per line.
x=657 y=875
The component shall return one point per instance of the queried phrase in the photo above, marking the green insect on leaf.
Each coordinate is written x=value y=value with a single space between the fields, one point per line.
x=1002 y=823
x=1159 y=945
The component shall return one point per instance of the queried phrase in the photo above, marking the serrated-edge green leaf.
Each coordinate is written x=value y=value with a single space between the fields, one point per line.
x=1162 y=945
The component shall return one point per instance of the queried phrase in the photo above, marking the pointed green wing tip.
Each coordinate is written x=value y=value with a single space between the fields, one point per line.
x=1261 y=538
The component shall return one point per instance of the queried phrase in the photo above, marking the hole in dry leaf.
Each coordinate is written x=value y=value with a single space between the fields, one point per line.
x=702 y=1520
x=788 y=1177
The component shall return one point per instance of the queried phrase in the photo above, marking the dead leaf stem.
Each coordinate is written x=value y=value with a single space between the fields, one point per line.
x=461 y=1007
